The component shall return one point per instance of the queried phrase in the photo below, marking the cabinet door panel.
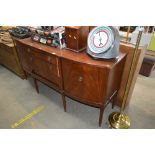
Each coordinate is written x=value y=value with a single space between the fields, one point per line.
x=83 y=81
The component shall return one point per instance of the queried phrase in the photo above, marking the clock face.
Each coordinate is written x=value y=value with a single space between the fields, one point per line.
x=100 y=39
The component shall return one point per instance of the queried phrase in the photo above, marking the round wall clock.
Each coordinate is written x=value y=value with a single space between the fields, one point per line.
x=103 y=42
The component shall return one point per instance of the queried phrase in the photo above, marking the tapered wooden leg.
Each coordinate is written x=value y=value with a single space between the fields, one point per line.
x=36 y=85
x=64 y=102
x=23 y=76
x=101 y=115
x=26 y=75
x=113 y=103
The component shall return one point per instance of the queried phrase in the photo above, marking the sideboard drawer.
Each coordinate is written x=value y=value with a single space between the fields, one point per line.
x=44 y=56
x=46 y=70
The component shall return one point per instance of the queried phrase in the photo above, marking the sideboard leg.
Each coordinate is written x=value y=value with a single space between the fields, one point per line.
x=101 y=115
x=26 y=75
x=64 y=102
x=23 y=76
x=36 y=85
x=113 y=103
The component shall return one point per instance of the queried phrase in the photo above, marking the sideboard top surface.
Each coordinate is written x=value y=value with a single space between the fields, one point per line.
x=81 y=57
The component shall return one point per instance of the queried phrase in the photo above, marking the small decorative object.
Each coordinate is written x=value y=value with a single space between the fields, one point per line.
x=119 y=120
x=49 y=35
x=58 y=37
x=103 y=42
x=20 y=32
x=43 y=40
x=35 y=37
x=76 y=37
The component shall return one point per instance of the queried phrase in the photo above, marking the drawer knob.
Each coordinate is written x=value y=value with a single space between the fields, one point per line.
x=80 y=79
x=28 y=50
x=49 y=58
x=70 y=36
x=74 y=37
x=50 y=67
x=18 y=50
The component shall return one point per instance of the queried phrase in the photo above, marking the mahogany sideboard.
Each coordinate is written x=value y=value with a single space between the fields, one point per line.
x=76 y=75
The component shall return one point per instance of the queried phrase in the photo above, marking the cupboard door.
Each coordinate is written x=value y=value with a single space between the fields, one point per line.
x=82 y=81
x=46 y=70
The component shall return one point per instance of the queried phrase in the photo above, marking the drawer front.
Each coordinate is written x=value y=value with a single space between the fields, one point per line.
x=38 y=62
x=44 y=56
x=46 y=70
x=72 y=38
x=83 y=82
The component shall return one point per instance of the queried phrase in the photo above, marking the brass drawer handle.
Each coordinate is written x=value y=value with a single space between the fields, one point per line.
x=70 y=36
x=18 y=49
x=49 y=58
x=50 y=67
x=74 y=37
x=29 y=50
x=80 y=79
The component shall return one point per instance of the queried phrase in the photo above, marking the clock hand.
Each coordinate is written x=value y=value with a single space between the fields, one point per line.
x=100 y=43
x=100 y=39
x=100 y=36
